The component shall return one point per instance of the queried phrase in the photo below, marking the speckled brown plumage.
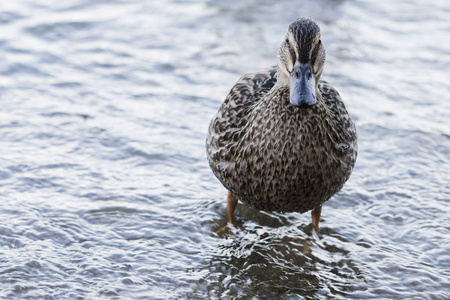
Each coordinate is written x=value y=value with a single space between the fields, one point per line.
x=275 y=156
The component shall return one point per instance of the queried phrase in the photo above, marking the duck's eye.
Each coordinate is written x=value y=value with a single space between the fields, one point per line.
x=287 y=40
x=320 y=42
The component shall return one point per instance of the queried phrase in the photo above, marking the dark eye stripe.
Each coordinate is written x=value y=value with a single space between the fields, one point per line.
x=293 y=55
x=315 y=51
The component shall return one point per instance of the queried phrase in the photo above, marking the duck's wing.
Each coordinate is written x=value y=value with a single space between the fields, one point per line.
x=249 y=89
x=226 y=126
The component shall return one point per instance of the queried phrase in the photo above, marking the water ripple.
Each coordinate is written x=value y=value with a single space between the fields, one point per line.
x=105 y=191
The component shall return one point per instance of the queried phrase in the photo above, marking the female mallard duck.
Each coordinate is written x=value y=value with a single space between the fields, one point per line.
x=283 y=140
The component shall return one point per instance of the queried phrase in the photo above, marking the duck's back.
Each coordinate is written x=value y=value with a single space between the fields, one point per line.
x=233 y=113
x=274 y=167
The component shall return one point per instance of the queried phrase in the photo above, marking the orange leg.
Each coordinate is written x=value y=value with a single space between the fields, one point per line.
x=231 y=206
x=315 y=215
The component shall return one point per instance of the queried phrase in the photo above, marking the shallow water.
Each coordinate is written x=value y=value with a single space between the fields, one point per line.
x=105 y=191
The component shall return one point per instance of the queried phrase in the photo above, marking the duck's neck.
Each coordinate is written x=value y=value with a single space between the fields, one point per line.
x=282 y=79
x=280 y=86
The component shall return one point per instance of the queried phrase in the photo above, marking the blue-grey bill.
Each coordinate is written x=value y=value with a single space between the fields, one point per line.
x=302 y=86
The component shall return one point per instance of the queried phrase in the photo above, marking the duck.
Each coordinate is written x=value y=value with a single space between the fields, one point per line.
x=283 y=140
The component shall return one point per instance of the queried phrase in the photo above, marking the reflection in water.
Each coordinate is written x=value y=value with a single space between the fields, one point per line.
x=272 y=263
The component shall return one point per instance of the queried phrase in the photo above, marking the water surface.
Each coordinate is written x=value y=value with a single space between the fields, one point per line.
x=105 y=191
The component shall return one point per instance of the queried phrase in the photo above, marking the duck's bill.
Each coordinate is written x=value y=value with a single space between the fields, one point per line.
x=302 y=85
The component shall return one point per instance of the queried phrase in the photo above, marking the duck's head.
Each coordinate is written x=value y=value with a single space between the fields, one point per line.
x=301 y=58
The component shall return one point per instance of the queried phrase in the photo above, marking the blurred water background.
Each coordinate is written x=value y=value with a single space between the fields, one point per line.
x=105 y=191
